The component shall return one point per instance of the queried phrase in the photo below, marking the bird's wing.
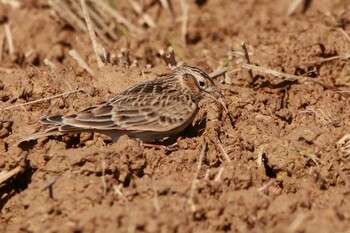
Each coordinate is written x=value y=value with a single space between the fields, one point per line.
x=142 y=112
x=158 y=113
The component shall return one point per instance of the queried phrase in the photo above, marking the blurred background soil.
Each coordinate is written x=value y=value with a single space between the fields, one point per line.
x=277 y=162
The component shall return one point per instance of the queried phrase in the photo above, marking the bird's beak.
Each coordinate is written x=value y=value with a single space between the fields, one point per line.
x=218 y=93
x=214 y=93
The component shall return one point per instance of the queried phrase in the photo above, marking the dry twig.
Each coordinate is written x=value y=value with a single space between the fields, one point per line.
x=293 y=7
x=260 y=157
x=9 y=39
x=100 y=26
x=223 y=151
x=184 y=19
x=308 y=154
x=12 y=3
x=265 y=186
x=246 y=55
x=218 y=176
x=260 y=162
x=169 y=57
x=293 y=227
x=168 y=6
x=103 y=177
x=144 y=16
x=41 y=100
x=4 y=176
x=345 y=34
x=1 y=45
x=49 y=64
x=343 y=145
x=326 y=118
x=7 y=70
x=284 y=76
x=218 y=72
x=322 y=60
x=118 y=191
x=112 y=12
x=74 y=54
x=124 y=57
x=49 y=185
x=67 y=14
x=195 y=179
x=99 y=52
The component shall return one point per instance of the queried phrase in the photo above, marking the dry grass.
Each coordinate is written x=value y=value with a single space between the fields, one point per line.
x=324 y=116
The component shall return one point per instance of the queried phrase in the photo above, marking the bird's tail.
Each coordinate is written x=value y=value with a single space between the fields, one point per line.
x=53 y=131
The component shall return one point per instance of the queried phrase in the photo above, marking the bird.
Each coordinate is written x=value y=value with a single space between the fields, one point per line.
x=148 y=111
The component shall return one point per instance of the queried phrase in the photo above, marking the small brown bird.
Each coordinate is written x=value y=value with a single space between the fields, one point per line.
x=148 y=111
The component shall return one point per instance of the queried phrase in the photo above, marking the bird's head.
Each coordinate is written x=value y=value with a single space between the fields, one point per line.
x=197 y=82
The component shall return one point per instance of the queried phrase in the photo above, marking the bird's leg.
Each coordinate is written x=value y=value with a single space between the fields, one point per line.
x=169 y=148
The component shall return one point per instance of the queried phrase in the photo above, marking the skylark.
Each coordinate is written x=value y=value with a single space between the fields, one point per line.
x=148 y=111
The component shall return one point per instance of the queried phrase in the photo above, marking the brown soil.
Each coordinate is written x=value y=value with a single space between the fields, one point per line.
x=284 y=171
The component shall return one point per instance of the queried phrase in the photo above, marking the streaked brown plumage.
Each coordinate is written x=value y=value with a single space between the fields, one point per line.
x=152 y=110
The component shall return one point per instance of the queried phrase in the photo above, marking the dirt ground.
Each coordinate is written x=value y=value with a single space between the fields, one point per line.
x=277 y=162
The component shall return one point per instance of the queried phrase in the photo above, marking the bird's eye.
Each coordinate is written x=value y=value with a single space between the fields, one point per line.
x=201 y=83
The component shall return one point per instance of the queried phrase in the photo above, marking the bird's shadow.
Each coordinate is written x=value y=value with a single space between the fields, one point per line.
x=195 y=130
x=192 y=131
x=72 y=142
x=27 y=145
